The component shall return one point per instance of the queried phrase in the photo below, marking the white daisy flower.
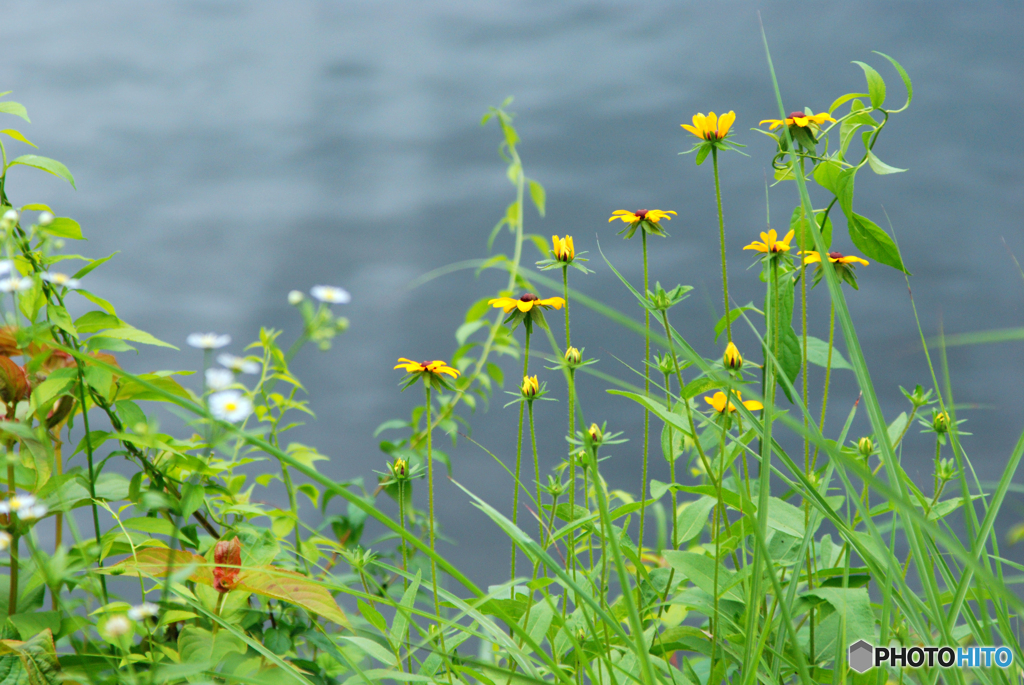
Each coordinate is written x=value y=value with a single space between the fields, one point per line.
x=330 y=294
x=238 y=364
x=5 y=540
x=143 y=611
x=61 y=279
x=205 y=341
x=44 y=219
x=17 y=504
x=230 y=405
x=36 y=511
x=117 y=626
x=15 y=284
x=10 y=215
x=295 y=297
x=218 y=379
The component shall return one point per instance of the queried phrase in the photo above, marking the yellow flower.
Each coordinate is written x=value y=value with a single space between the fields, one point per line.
x=732 y=358
x=433 y=368
x=530 y=386
x=711 y=127
x=595 y=432
x=652 y=215
x=798 y=119
x=718 y=402
x=525 y=303
x=563 y=248
x=771 y=242
x=812 y=257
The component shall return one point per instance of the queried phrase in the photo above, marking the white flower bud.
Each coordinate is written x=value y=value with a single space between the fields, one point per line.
x=295 y=297
x=117 y=626
x=44 y=219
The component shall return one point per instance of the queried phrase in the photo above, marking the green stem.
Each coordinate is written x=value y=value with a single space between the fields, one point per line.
x=519 y=455
x=430 y=500
x=828 y=377
x=721 y=243
x=294 y=505
x=536 y=474
x=92 y=481
x=647 y=413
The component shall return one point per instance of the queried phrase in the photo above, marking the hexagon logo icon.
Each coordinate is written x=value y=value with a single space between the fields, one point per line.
x=861 y=656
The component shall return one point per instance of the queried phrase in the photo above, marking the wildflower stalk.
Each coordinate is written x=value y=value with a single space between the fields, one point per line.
x=671 y=462
x=721 y=243
x=647 y=412
x=92 y=481
x=571 y=392
x=536 y=472
x=828 y=377
x=430 y=522
x=519 y=453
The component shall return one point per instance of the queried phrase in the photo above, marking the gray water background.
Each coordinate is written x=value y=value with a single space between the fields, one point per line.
x=233 y=151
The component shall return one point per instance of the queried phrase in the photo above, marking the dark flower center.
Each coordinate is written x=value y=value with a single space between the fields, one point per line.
x=835 y=255
x=424 y=364
x=528 y=297
x=794 y=115
x=641 y=213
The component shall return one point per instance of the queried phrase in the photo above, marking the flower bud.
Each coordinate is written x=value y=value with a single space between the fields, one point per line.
x=573 y=356
x=865 y=446
x=295 y=297
x=946 y=470
x=732 y=359
x=400 y=469
x=665 y=364
x=44 y=219
x=10 y=216
x=530 y=387
x=940 y=422
x=596 y=434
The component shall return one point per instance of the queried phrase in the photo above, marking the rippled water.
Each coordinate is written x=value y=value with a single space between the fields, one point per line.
x=235 y=150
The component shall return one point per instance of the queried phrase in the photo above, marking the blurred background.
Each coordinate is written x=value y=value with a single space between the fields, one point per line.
x=233 y=151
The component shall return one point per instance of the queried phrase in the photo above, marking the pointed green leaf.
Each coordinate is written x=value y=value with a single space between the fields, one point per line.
x=48 y=165
x=880 y=167
x=874 y=243
x=876 y=84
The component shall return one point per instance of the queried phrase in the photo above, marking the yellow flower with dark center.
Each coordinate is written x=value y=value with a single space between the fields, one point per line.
x=563 y=248
x=433 y=368
x=798 y=119
x=718 y=402
x=812 y=257
x=711 y=127
x=732 y=358
x=525 y=303
x=652 y=215
x=771 y=243
x=530 y=386
x=595 y=432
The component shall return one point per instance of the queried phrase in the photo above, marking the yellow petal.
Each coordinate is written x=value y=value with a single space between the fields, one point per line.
x=712 y=124
x=725 y=123
x=753 y=405
x=525 y=306
x=692 y=130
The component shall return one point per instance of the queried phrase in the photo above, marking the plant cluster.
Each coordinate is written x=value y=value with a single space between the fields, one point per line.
x=753 y=563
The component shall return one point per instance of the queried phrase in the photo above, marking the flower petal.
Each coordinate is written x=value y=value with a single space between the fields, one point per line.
x=725 y=123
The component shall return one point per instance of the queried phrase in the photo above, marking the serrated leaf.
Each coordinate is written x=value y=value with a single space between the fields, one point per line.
x=37 y=657
x=294 y=588
x=876 y=84
x=46 y=164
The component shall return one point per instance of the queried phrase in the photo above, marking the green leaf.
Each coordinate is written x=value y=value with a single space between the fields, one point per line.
x=880 y=167
x=797 y=226
x=693 y=518
x=700 y=570
x=875 y=243
x=38 y=657
x=404 y=612
x=15 y=108
x=198 y=645
x=903 y=75
x=844 y=189
x=817 y=353
x=467 y=329
x=48 y=165
x=63 y=227
x=278 y=640
x=49 y=390
x=97 y=300
x=876 y=84
x=838 y=102
x=59 y=317
x=31 y=624
x=17 y=135
x=733 y=315
x=294 y=588
x=538 y=196
x=93 y=321
x=373 y=617
x=826 y=173
x=370 y=648
x=136 y=335
x=784 y=517
x=852 y=620
x=93 y=263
